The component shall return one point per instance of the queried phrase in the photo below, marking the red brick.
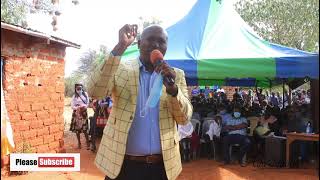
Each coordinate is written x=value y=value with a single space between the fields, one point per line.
x=55 y=97
x=17 y=137
x=41 y=56
x=37 y=106
x=45 y=51
x=14 y=117
x=42 y=115
x=58 y=135
x=10 y=106
x=59 y=104
x=54 y=128
x=43 y=131
x=22 y=125
x=43 y=99
x=36 y=124
x=60 y=119
x=54 y=112
x=49 y=105
x=51 y=58
x=28 y=116
x=51 y=89
x=29 y=99
x=54 y=145
x=35 y=71
x=24 y=107
x=60 y=60
x=37 y=141
x=49 y=121
x=53 y=151
x=29 y=134
x=61 y=150
x=17 y=67
x=48 y=139
x=8 y=68
x=43 y=148
x=61 y=142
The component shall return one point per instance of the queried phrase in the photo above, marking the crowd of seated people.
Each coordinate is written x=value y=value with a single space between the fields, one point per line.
x=276 y=115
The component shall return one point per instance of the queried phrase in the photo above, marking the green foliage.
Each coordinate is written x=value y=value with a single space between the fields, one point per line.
x=13 y=12
x=286 y=22
x=88 y=61
x=151 y=21
x=69 y=83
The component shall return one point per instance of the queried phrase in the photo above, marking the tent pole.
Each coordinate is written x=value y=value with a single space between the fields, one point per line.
x=258 y=92
x=283 y=94
x=290 y=96
x=270 y=87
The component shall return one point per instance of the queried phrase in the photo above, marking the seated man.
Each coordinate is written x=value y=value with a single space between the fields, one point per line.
x=225 y=116
x=237 y=134
x=185 y=133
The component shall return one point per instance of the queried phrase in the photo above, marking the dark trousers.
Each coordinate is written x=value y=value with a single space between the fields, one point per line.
x=92 y=132
x=210 y=145
x=231 y=139
x=185 y=148
x=134 y=170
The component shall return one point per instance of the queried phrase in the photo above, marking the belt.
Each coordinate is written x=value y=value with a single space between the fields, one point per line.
x=150 y=159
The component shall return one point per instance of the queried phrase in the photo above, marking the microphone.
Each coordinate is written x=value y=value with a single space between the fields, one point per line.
x=156 y=58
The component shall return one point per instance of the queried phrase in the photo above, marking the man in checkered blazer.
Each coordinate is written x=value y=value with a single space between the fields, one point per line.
x=137 y=145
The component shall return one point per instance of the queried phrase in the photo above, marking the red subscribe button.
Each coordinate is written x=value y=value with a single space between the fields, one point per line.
x=56 y=162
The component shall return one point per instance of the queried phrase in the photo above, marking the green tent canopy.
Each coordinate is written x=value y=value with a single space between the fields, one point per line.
x=215 y=46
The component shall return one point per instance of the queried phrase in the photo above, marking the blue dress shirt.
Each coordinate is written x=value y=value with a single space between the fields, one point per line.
x=144 y=134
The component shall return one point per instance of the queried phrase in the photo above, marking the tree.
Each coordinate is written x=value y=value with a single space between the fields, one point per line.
x=13 y=12
x=69 y=83
x=147 y=22
x=286 y=22
x=88 y=61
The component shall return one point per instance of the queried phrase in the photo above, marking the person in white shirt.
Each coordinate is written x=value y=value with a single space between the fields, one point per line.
x=213 y=135
x=185 y=133
x=79 y=121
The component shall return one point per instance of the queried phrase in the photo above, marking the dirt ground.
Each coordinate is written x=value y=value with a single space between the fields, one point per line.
x=201 y=169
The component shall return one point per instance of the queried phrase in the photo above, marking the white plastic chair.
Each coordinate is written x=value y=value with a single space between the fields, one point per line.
x=207 y=119
x=196 y=115
x=205 y=128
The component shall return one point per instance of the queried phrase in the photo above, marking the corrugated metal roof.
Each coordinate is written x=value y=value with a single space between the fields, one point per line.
x=37 y=33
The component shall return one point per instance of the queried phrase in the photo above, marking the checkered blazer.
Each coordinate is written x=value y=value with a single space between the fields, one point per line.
x=121 y=80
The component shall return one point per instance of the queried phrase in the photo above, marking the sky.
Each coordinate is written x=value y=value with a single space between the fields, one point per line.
x=92 y=23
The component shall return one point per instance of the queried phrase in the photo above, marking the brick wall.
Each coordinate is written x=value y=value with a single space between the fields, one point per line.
x=34 y=90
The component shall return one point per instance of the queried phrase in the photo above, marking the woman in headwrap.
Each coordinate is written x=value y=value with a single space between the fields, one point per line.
x=79 y=122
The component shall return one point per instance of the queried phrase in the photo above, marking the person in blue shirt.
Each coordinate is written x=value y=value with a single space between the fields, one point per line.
x=195 y=91
x=237 y=134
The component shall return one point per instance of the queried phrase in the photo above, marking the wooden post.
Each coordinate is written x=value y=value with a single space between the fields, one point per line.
x=314 y=86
